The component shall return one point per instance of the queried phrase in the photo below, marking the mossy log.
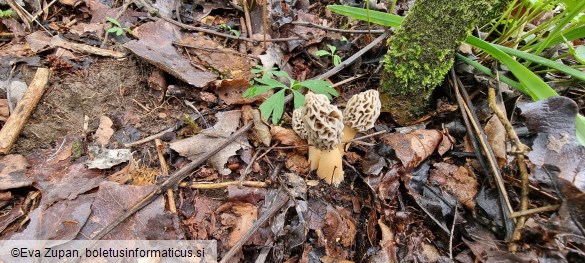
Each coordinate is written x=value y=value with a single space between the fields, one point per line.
x=421 y=52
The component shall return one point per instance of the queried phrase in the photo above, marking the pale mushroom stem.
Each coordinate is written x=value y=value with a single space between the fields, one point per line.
x=348 y=135
x=314 y=157
x=331 y=166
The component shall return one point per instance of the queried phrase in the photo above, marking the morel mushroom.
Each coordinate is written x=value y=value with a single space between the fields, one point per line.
x=324 y=126
x=359 y=115
x=298 y=126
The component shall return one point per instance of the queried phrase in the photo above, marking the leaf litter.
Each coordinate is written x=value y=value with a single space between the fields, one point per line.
x=403 y=194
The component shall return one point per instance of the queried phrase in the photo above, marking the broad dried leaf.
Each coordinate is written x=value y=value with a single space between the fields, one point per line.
x=195 y=146
x=104 y=131
x=150 y=223
x=459 y=181
x=241 y=218
x=66 y=181
x=261 y=130
x=297 y=163
x=412 y=148
x=553 y=119
x=496 y=134
x=13 y=172
x=209 y=53
x=288 y=137
x=231 y=92
x=61 y=221
x=156 y=46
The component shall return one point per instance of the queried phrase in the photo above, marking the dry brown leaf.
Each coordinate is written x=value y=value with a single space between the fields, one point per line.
x=414 y=147
x=231 y=90
x=497 y=135
x=289 y=137
x=194 y=146
x=209 y=53
x=104 y=132
x=297 y=163
x=240 y=217
x=12 y=172
x=261 y=130
x=459 y=181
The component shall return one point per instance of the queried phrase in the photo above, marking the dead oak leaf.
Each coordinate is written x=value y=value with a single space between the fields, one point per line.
x=195 y=146
x=239 y=217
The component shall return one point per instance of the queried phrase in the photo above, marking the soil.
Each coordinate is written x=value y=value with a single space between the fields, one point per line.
x=106 y=87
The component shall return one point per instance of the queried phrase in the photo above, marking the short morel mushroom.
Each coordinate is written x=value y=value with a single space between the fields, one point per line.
x=324 y=125
x=360 y=114
x=298 y=126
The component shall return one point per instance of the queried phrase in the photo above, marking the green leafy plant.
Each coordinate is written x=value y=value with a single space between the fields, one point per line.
x=6 y=13
x=528 y=82
x=117 y=28
x=331 y=53
x=229 y=29
x=274 y=105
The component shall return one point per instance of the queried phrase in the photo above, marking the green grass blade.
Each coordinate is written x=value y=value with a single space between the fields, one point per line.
x=570 y=34
x=543 y=61
x=376 y=17
x=580 y=129
x=558 y=27
x=536 y=87
x=483 y=69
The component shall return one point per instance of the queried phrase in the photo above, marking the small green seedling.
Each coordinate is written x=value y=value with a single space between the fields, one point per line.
x=331 y=53
x=6 y=13
x=117 y=27
x=229 y=29
x=274 y=105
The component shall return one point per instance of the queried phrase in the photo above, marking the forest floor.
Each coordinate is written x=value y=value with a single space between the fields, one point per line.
x=131 y=117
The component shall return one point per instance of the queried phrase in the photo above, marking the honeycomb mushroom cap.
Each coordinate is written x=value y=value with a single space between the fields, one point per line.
x=323 y=122
x=362 y=110
x=298 y=125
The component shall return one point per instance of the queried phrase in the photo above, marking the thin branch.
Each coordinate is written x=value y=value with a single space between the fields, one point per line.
x=213 y=32
x=307 y=24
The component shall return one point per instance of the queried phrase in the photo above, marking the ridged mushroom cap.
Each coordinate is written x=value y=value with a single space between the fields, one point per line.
x=362 y=110
x=323 y=122
x=298 y=125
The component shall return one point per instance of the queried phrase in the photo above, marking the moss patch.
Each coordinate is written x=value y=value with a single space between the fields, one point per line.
x=421 y=52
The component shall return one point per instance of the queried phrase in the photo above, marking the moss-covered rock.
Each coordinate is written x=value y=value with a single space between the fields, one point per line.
x=421 y=52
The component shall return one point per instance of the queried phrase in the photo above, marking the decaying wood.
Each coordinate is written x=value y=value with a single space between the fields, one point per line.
x=25 y=107
x=86 y=49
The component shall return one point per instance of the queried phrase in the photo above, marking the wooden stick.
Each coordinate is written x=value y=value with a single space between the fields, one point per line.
x=210 y=185
x=548 y=208
x=25 y=107
x=164 y=168
x=172 y=181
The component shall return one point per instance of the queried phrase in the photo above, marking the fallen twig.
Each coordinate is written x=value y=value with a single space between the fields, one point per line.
x=165 y=172
x=307 y=24
x=170 y=182
x=548 y=208
x=229 y=51
x=210 y=185
x=519 y=150
x=149 y=138
x=472 y=123
x=212 y=32
x=25 y=107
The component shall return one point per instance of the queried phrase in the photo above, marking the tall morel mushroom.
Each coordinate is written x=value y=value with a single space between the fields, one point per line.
x=324 y=127
x=359 y=115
